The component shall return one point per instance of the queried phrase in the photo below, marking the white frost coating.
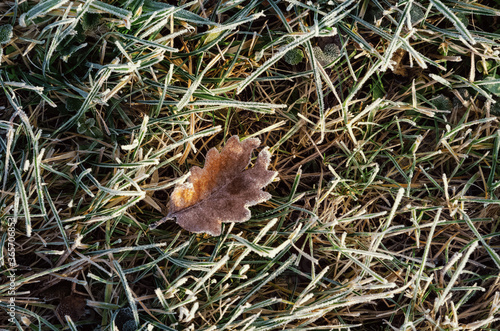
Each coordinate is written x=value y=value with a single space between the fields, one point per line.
x=133 y=145
x=445 y=295
x=272 y=253
x=440 y=79
x=183 y=311
x=22 y=20
x=216 y=267
x=78 y=241
x=26 y=166
x=304 y=299
x=244 y=269
x=193 y=311
x=186 y=315
x=259 y=55
x=39 y=10
x=24 y=86
x=264 y=230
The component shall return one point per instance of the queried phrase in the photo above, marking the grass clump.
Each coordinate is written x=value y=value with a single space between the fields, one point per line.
x=385 y=136
x=294 y=56
x=5 y=33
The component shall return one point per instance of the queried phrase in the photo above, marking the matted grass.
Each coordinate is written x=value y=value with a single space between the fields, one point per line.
x=383 y=124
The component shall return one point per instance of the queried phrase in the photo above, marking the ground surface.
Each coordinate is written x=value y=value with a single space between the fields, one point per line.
x=382 y=121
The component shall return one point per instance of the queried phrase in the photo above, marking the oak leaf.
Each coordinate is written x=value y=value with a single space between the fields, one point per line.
x=223 y=190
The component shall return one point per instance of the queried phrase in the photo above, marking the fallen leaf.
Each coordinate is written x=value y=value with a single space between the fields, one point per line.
x=223 y=190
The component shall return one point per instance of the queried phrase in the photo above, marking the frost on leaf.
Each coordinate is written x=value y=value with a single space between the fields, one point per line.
x=223 y=190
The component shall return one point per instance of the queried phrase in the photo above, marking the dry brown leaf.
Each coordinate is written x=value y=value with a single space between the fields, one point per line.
x=399 y=68
x=223 y=190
